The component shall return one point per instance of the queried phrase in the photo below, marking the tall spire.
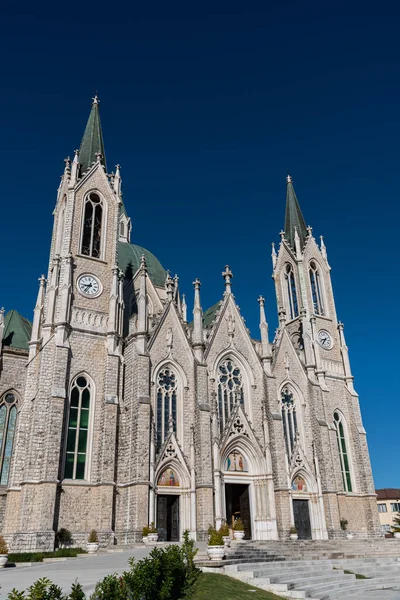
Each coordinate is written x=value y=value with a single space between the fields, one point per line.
x=294 y=217
x=92 y=142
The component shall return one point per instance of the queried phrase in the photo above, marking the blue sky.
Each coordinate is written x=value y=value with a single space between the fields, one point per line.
x=207 y=108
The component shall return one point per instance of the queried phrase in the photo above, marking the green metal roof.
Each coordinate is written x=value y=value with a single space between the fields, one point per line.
x=17 y=331
x=209 y=314
x=294 y=217
x=129 y=256
x=92 y=141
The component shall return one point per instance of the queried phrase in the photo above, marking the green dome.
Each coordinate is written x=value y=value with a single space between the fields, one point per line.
x=129 y=256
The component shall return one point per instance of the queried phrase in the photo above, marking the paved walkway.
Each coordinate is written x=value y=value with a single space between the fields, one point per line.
x=377 y=595
x=86 y=570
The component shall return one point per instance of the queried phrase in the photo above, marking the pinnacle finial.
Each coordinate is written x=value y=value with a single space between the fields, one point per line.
x=289 y=179
x=227 y=275
x=95 y=99
x=143 y=265
x=261 y=300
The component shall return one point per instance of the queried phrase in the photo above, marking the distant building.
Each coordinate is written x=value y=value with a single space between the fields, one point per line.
x=388 y=501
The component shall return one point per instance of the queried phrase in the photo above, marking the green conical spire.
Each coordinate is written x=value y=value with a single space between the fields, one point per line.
x=294 y=217
x=92 y=141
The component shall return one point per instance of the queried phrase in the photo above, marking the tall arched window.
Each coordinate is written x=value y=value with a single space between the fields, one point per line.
x=343 y=454
x=92 y=223
x=167 y=389
x=8 y=421
x=291 y=292
x=78 y=428
x=289 y=419
x=316 y=289
x=230 y=390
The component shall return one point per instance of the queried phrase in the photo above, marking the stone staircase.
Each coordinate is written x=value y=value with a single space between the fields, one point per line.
x=314 y=569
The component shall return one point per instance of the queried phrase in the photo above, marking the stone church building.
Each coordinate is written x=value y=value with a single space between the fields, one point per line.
x=117 y=408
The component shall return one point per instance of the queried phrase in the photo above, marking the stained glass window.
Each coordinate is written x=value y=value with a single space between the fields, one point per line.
x=344 y=457
x=78 y=427
x=8 y=421
x=166 y=404
x=316 y=291
x=92 y=223
x=230 y=390
x=289 y=419
x=291 y=292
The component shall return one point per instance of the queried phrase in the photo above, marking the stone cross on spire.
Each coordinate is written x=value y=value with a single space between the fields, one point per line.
x=227 y=275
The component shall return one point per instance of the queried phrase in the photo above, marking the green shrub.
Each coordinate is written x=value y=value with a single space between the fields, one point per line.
x=93 y=537
x=112 y=587
x=238 y=525
x=293 y=530
x=396 y=526
x=3 y=546
x=224 y=530
x=63 y=537
x=189 y=553
x=215 y=539
x=39 y=556
x=343 y=524
x=152 y=528
x=145 y=531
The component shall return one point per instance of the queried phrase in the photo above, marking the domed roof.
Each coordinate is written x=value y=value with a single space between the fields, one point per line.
x=129 y=256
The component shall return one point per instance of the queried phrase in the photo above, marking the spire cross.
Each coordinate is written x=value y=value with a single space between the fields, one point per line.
x=98 y=156
x=96 y=99
x=289 y=179
x=261 y=301
x=42 y=280
x=309 y=230
x=227 y=275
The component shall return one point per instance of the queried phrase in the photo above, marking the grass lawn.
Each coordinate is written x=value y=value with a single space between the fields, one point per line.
x=220 y=587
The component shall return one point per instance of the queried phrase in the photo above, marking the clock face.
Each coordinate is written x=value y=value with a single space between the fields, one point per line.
x=325 y=339
x=89 y=286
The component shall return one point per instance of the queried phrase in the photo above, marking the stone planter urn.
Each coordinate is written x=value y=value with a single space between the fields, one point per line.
x=92 y=547
x=238 y=534
x=152 y=538
x=294 y=536
x=349 y=536
x=145 y=539
x=227 y=540
x=216 y=552
x=3 y=560
x=397 y=535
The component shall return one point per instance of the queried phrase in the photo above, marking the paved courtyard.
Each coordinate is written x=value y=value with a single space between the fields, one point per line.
x=86 y=570
x=91 y=569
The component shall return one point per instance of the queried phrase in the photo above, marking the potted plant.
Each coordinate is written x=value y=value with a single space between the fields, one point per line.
x=224 y=531
x=293 y=534
x=152 y=535
x=215 y=548
x=93 y=542
x=396 y=527
x=238 y=529
x=343 y=527
x=145 y=534
x=3 y=552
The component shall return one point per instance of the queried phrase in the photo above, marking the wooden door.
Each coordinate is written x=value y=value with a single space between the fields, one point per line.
x=245 y=512
x=175 y=519
x=301 y=513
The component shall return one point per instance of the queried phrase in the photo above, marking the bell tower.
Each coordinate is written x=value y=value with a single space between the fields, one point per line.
x=306 y=306
x=68 y=418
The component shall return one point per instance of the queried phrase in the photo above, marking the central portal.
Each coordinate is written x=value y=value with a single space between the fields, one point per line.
x=168 y=518
x=238 y=505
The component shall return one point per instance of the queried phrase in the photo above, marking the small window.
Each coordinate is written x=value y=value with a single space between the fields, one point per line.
x=8 y=421
x=395 y=506
x=92 y=226
x=78 y=429
x=344 y=457
x=316 y=289
x=122 y=229
x=382 y=508
x=291 y=292
x=386 y=528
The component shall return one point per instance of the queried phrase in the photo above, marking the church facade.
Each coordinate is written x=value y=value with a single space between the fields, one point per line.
x=116 y=411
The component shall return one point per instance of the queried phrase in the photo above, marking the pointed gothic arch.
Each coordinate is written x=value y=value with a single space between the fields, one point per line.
x=317 y=287
x=9 y=408
x=234 y=380
x=79 y=427
x=291 y=402
x=168 y=399
x=344 y=449
x=290 y=291
x=93 y=225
